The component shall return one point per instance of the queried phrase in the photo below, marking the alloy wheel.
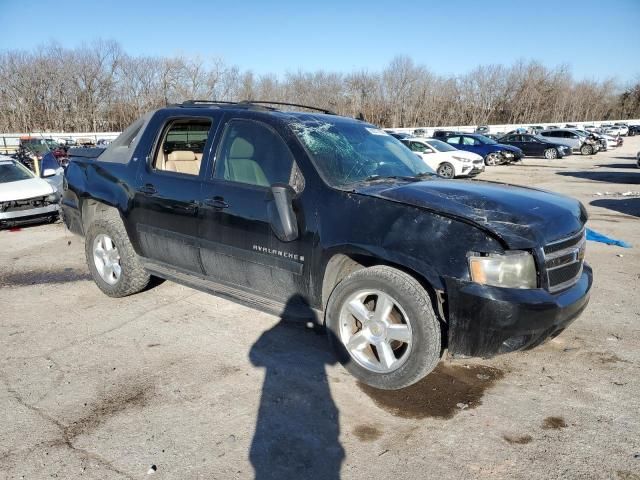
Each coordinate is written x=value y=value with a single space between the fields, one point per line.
x=492 y=159
x=375 y=331
x=106 y=259
x=445 y=170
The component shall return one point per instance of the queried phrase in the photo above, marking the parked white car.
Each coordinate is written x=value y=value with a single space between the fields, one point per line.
x=612 y=142
x=614 y=131
x=446 y=160
x=24 y=198
x=624 y=128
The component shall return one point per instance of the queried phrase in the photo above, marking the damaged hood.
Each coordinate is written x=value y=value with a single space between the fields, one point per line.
x=504 y=146
x=522 y=217
x=22 y=189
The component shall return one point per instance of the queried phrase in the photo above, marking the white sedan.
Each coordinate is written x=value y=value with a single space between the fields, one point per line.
x=614 y=131
x=24 y=198
x=446 y=160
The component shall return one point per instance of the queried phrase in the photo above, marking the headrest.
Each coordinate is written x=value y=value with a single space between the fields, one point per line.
x=240 y=148
x=181 y=156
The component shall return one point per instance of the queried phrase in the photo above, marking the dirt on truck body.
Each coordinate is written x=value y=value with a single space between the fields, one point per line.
x=336 y=220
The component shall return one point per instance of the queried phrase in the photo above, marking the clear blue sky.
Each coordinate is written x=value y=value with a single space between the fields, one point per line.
x=598 y=39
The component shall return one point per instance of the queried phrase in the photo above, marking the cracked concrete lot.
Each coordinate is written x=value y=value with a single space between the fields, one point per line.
x=100 y=388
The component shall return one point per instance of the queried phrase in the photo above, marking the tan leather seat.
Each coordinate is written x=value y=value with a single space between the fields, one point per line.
x=183 y=161
x=240 y=165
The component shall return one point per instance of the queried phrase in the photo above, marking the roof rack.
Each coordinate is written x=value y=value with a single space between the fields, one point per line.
x=260 y=104
x=270 y=102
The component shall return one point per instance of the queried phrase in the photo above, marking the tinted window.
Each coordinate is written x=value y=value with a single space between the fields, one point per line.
x=441 y=146
x=418 y=147
x=252 y=153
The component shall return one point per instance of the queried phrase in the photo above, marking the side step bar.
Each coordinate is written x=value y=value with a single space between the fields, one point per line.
x=252 y=300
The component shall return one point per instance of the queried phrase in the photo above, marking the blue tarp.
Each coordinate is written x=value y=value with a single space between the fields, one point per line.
x=598 y=237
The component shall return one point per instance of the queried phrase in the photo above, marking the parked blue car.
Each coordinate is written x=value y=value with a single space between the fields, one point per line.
x=494 y=153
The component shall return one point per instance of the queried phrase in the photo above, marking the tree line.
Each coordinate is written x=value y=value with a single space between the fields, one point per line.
x=99 y=87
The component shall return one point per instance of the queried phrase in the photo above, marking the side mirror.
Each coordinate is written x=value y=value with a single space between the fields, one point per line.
x=428 y=150
x=48 y=172
x=280 y=210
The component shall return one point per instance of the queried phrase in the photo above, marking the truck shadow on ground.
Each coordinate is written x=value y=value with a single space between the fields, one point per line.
x=628 y=206
x=630 y=177
x=297 y=429
x=630 y=165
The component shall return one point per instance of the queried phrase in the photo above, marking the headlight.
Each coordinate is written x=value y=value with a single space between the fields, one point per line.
x=51 y=198
x=513 y=269
x=461 y=159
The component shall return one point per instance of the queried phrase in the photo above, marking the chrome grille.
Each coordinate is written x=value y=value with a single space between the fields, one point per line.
x=563 y=261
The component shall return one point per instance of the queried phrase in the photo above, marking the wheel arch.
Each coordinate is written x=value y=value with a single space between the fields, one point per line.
x=92 y=209
x=453 y=166
x=341 y=263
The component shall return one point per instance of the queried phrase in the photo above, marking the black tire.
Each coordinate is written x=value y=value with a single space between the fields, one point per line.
x=446 y=170
x=426 y=345
x=586 y=150
x=551 y=153
x=133 y=278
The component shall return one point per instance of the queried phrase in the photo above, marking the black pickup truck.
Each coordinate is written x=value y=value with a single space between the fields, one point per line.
x=322 y=216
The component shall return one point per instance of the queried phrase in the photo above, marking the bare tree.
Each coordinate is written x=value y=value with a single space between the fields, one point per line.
x=99 y=87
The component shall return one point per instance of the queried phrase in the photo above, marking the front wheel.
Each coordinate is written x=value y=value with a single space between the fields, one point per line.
x=551 y=153
x=586 y=150
x=113 y=263
x=446 y=170
x=492 y=159
x=381 y=323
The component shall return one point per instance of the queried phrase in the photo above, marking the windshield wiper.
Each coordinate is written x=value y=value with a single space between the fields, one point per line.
x=376 y=178
x=424 y=175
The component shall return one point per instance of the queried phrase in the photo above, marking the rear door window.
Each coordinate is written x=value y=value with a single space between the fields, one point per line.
x=181 y=146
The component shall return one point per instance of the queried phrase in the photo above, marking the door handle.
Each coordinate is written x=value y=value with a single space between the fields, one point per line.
x=148 y=189
x=216 y=202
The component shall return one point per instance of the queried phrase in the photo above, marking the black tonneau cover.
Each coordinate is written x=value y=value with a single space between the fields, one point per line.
x=89 y=152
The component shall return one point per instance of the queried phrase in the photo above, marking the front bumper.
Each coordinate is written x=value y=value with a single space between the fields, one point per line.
x=31 y=215
x=512 y=156
x=473 y=169
x=485 y=321
x=566 y=151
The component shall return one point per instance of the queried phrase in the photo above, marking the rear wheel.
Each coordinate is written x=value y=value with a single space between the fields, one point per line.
x=586 y=150
x=113 y=263
x=381 y=323
x=550 y=153
x=446 y=170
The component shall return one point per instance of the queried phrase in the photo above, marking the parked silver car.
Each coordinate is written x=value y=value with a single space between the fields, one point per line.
x=579 y=142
